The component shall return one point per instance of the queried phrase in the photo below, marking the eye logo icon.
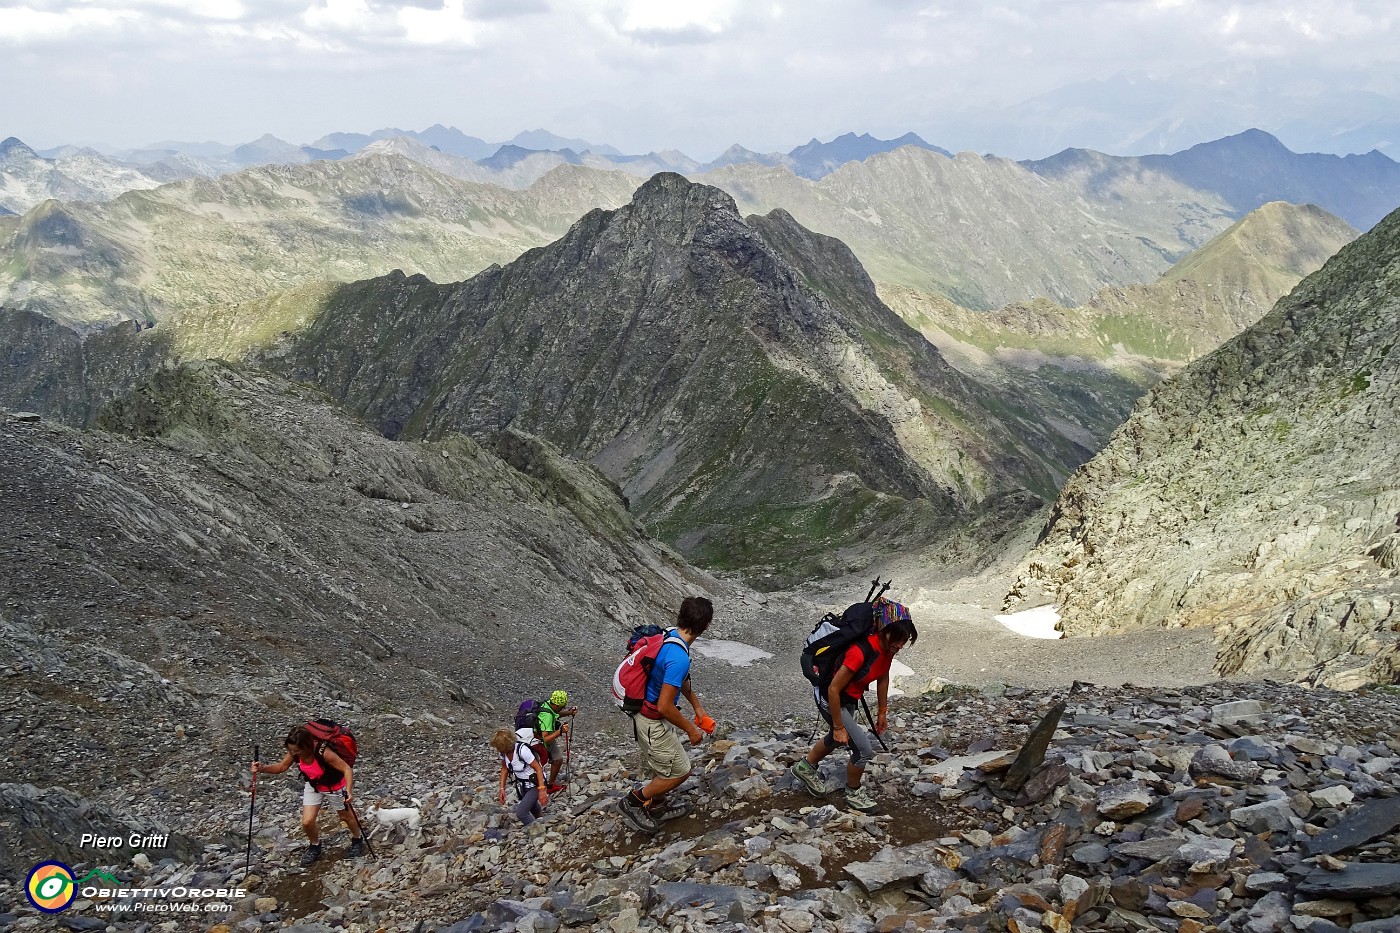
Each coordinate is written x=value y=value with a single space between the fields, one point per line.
x=50 y=886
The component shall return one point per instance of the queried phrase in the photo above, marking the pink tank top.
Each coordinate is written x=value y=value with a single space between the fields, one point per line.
x=316 y=773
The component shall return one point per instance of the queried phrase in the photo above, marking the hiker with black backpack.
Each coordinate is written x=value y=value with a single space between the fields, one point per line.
x=657 y=725
x=520 y=761
x=863 y=660
x=329 y=779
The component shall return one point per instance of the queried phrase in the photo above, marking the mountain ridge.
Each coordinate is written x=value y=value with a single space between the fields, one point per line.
x=686 y=331
x=1252 y=492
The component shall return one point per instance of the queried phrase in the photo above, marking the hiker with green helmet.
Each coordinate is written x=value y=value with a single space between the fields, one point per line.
x=551 y=727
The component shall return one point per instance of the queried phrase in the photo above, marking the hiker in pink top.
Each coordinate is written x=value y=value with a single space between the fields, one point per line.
x=329 y=779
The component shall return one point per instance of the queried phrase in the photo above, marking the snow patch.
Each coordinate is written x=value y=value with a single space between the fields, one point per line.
x=731 y=652
x=1034 y=623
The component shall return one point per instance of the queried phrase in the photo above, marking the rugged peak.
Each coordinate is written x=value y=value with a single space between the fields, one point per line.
x=671 y=185
x=12 y=147
x=667 y=196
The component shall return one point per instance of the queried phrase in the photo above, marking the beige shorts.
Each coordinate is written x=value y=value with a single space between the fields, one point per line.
x=662 y=752
x=311 y=797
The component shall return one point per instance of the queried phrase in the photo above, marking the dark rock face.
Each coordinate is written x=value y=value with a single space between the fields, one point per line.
x=1254 y=492
x=49 y=368
x=739 y=380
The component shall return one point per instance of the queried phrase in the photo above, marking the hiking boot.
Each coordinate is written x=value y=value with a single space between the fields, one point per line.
x=311 y=856
x=670 y=811
x=809 y=777
x=556 y=788
x=858 y=799
x=357 y=848
x=637 y=816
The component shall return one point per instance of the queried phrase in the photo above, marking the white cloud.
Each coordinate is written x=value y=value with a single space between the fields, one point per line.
x=19 y=25
x=202 y=9
x=639 y=74
x=677 y=16
x=447 y=25
x=342 y=16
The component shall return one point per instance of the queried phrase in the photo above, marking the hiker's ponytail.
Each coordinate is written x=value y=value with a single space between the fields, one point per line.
x=900 y=630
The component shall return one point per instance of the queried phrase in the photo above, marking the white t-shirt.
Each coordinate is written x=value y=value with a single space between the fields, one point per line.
x=522 y=762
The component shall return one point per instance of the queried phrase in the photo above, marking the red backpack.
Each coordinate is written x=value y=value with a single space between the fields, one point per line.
x=332 y=735
x=630 y=679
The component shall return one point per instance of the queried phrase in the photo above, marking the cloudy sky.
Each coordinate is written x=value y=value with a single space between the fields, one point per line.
x=701 y=74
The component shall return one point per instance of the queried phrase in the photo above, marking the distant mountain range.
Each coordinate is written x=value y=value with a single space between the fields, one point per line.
x=1083 y=368
x=200 y=244
x=1243 y=171
x=1251 y=169
x=72 y=174
x=515 y=163
x=980 y=231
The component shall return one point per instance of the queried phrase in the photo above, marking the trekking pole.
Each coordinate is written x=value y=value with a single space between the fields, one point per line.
x=364 y=833
x=870 y=719
x=252 y=801
x=569 y=755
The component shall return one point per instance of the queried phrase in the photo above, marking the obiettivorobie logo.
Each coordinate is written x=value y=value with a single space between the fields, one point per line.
x=51 y=887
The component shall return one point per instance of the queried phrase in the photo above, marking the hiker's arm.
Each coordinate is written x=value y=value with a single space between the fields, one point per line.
x=666 y=705
x=283 y=765
x=690 y=697
x=539 y=782
x=882 y=704
x=503 y=781
x=338 y=763
x=839 y=682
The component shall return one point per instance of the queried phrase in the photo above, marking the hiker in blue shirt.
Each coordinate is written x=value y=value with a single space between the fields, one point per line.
x=658 y=726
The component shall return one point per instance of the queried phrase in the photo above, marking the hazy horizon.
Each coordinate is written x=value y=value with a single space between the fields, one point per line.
x=1022 y=80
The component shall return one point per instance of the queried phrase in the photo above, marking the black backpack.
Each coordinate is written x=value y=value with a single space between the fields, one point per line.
x=832 y=635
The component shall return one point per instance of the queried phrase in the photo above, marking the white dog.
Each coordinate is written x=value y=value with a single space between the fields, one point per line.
x=381 y=813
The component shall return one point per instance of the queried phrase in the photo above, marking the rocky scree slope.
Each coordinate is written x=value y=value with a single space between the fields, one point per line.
x=1255 y=492
x=740 y=380
x=1240 y=808
x=233 y=554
